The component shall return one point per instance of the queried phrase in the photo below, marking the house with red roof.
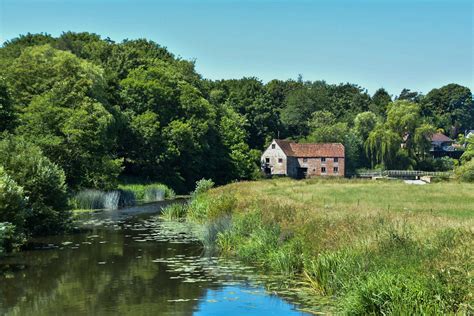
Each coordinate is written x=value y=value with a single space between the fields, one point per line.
x=297 y=160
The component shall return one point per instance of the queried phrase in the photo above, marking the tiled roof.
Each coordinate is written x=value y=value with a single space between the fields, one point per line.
x=439 y=137
x=311 y=150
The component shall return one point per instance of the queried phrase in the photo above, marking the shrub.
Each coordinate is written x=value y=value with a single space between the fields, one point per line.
x=43 y=183
x=202 y=186
x=466 y=171
x=8 y=237
x=12 y=201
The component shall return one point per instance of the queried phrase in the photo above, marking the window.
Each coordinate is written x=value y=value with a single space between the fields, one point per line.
x=323 y=159
x=305 y=159
x=336 y=170
x=267 y=160
x=336 y=159
x=280 y=160
x=323 y=169
x=273 y=146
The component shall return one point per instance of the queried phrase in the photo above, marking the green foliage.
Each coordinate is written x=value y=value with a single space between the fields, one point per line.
x=101 y=109
x=466 y=171
x=7 y=113
x=12 y=201
x=175 y=211
x=63 y=112
x=364 y=123
x=325 y=129
x=149 y=192
x=43 y=182
x=9 y=238
x=380 y=100
x=203 y=186
x=451 y=107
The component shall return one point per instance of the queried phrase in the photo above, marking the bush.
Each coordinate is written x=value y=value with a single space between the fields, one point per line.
x=202 y=186
x=43 y=184
x=12 y=201
x=8 y=237
x=466 y=171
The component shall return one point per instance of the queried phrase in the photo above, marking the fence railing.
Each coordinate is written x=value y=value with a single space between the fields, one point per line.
x=403 y=173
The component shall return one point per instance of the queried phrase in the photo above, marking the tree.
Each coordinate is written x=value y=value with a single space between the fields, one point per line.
x=325 y=129
x=364 y=123
x=451 y=108
x=63 y=113
x=422 y=139
x=7 y=113
x=382 y=145
x=408 y=95
x=301 y=103
x=380 y=101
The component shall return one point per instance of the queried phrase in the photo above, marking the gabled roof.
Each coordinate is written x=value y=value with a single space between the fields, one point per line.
x=439 y=137
x=292 y=149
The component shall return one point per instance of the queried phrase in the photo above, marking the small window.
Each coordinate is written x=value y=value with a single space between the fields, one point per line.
x=323 y=159
x=336 y=169
x=305 y=159
x=336 y=159
x=267 y=160
x=273 y=146
x=323 y=169
x=280 y=160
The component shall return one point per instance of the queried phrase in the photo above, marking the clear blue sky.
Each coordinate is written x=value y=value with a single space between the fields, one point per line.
x=417 y=44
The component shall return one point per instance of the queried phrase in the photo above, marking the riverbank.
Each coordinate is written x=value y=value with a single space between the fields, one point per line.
x=373 y=247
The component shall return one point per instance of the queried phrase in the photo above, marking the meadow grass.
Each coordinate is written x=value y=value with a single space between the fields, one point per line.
x=375 y=247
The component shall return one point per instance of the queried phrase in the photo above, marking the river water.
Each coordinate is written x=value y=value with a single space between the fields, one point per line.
x=129 y=262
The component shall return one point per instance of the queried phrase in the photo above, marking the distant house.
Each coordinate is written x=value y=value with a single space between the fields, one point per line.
x=441 y=142
x=442 y=145
x=297 y=160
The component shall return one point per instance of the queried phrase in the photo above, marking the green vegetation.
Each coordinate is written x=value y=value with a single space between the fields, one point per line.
x=29 y=173
x=375 y=247
x=126 y=195
x=149 y=192
x=78 y=113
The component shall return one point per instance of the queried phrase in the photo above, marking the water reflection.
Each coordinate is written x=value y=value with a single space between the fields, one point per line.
x=128 y=266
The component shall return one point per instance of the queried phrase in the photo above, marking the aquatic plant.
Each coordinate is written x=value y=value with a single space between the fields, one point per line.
x=89 y=199
x=175 y=211
x=149 y=192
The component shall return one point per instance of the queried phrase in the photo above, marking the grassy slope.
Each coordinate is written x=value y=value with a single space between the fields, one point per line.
x=377 y=247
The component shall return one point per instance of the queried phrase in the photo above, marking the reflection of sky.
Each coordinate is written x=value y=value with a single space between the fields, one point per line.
x=235 y=300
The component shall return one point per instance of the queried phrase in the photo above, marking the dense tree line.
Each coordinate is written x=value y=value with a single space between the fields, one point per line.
x=91 y=110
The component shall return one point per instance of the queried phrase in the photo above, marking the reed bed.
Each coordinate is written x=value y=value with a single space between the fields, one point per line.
x=126 y=195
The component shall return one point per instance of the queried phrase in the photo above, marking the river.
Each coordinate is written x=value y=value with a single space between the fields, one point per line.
x=129 y=262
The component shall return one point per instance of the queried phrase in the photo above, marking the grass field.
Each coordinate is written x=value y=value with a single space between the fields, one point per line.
x=373 y=247
x=449 y=198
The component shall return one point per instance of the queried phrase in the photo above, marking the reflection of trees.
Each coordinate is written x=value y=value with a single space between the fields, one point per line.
x=71 y=281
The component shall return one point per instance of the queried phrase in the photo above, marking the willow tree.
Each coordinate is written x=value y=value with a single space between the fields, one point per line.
x=382 y=145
